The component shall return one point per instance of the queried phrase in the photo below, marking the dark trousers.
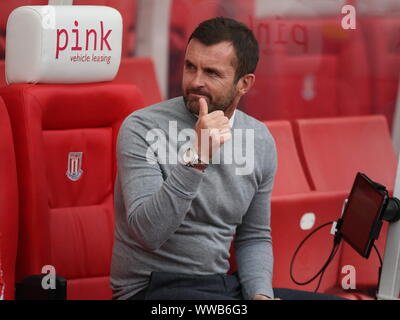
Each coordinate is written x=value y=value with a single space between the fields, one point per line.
x=168 y=286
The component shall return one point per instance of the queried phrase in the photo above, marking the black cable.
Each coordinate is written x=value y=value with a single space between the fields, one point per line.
x=319 y=281
x=328 y=261
x=323 y=272
x=379 y=255
x=380 y=268
x=332 y=254
x=296 y=252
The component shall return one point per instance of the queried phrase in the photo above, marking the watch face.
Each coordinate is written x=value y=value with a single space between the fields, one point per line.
x=188 y=156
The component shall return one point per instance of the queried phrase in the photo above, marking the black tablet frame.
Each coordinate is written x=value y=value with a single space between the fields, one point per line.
x=362 y=217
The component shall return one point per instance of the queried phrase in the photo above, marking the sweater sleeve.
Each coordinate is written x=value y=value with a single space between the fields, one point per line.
x=253 y=242
x=155 y=207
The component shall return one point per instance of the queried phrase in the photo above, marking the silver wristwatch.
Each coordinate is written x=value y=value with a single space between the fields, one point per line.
x=191 y=159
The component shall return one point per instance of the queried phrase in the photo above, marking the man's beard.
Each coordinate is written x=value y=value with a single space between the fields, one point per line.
x=221 y=103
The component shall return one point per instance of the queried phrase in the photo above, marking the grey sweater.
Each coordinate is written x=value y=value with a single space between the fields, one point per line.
x=173 y=218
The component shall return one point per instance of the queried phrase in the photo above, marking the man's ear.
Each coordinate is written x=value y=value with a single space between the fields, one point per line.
x=245 y=84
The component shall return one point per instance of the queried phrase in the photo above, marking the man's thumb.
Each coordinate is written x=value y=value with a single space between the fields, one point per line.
x=203 y=111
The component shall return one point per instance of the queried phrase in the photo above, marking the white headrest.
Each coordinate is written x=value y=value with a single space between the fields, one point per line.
x=63 y=44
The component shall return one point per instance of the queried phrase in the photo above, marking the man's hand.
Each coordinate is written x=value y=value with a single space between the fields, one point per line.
x=262 y=297
x=212 y=131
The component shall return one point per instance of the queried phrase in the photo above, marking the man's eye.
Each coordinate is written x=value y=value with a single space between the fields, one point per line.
x=189 y=66
x=212 y=72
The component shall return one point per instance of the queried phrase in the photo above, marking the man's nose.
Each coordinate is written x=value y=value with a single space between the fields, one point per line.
x=198 y=80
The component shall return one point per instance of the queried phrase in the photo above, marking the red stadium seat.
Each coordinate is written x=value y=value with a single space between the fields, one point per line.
x=290 y=177
x=288 y=210
x=8 y=205
x=293 y=218
x=335 y=149
x=65 y=138
x=292 y=203
x=382 y=39
x=296 y=211
x=140 y=72
x=309 y=67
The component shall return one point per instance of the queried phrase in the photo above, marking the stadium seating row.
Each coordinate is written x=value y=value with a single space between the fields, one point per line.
x=58 y=217
x=317 y=162
x=310 y=67
x=325 y=154
x=62 y=133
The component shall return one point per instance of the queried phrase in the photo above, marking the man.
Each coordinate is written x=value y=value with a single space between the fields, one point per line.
x=175 y=220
